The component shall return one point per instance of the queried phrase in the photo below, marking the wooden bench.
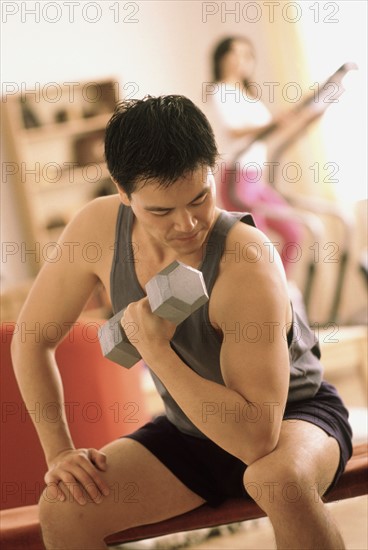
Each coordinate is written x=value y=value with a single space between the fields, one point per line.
x=20 y=528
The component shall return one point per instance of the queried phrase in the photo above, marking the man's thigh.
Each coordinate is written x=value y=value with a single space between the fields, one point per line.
x=155 y=493
x=142 y=490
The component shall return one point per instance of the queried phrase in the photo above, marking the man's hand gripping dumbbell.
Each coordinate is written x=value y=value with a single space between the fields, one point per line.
x=173 y=294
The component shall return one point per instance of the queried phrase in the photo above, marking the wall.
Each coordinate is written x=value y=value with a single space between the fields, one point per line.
x=164 y=47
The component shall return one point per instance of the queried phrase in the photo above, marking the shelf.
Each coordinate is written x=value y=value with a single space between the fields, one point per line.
x=57 y=147
x=66 y=129
x=79 y=178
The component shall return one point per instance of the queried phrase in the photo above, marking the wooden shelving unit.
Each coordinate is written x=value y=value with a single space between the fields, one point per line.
x=53 y=141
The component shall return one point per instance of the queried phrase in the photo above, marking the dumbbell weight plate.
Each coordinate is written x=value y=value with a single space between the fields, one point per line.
x=176 y=292
x=115 y=344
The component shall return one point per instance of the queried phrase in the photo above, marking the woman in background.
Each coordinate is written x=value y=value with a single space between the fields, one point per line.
x=238 y=118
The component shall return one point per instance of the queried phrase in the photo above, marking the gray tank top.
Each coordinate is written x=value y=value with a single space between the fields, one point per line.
x=195 y=341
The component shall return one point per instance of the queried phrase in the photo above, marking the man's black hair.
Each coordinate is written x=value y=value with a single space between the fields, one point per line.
x=162 y=137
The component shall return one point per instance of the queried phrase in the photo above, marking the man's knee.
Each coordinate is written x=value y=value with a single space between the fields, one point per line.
x=275 y=483
x=60 y=519
x=51 y=518
x=49 y=508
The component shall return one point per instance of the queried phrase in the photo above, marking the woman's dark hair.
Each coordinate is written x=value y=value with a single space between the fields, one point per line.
x=161 y=137
x=220 y=51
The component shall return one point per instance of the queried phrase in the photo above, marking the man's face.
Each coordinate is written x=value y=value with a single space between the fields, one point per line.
x=178 y=217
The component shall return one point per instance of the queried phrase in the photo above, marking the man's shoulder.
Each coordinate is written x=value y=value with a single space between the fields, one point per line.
x=101 y=205
x=249 y=252
x=98 y=212
x=251 y=275
x=95 y=221
x=244 y=231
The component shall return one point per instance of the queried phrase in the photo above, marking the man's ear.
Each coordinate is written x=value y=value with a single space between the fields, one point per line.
x=123 y=196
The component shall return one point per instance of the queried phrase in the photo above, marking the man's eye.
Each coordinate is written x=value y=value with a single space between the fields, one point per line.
x=161 y=213
x=201 y=201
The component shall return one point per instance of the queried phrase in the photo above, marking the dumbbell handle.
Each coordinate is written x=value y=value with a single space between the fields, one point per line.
x=115 y=344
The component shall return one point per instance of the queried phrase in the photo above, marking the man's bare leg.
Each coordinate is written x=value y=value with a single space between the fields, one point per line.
x=142 y=490
x=287 y=485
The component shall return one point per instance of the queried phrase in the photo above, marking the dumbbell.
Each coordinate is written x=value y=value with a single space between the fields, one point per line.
x=173 y=294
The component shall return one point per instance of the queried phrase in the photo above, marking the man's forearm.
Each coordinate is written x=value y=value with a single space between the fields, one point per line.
x=40 y=384
x=246 y=430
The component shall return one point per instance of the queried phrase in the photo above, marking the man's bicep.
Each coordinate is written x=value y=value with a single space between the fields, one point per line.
x=254 y=353
x=259 y=371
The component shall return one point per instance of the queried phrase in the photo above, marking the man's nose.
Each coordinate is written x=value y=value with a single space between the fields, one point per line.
x=184 y=222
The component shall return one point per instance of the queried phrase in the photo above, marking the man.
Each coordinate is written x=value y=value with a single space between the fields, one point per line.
x=246 y=409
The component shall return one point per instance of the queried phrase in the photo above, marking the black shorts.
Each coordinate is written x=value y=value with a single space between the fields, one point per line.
x=215 y=474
